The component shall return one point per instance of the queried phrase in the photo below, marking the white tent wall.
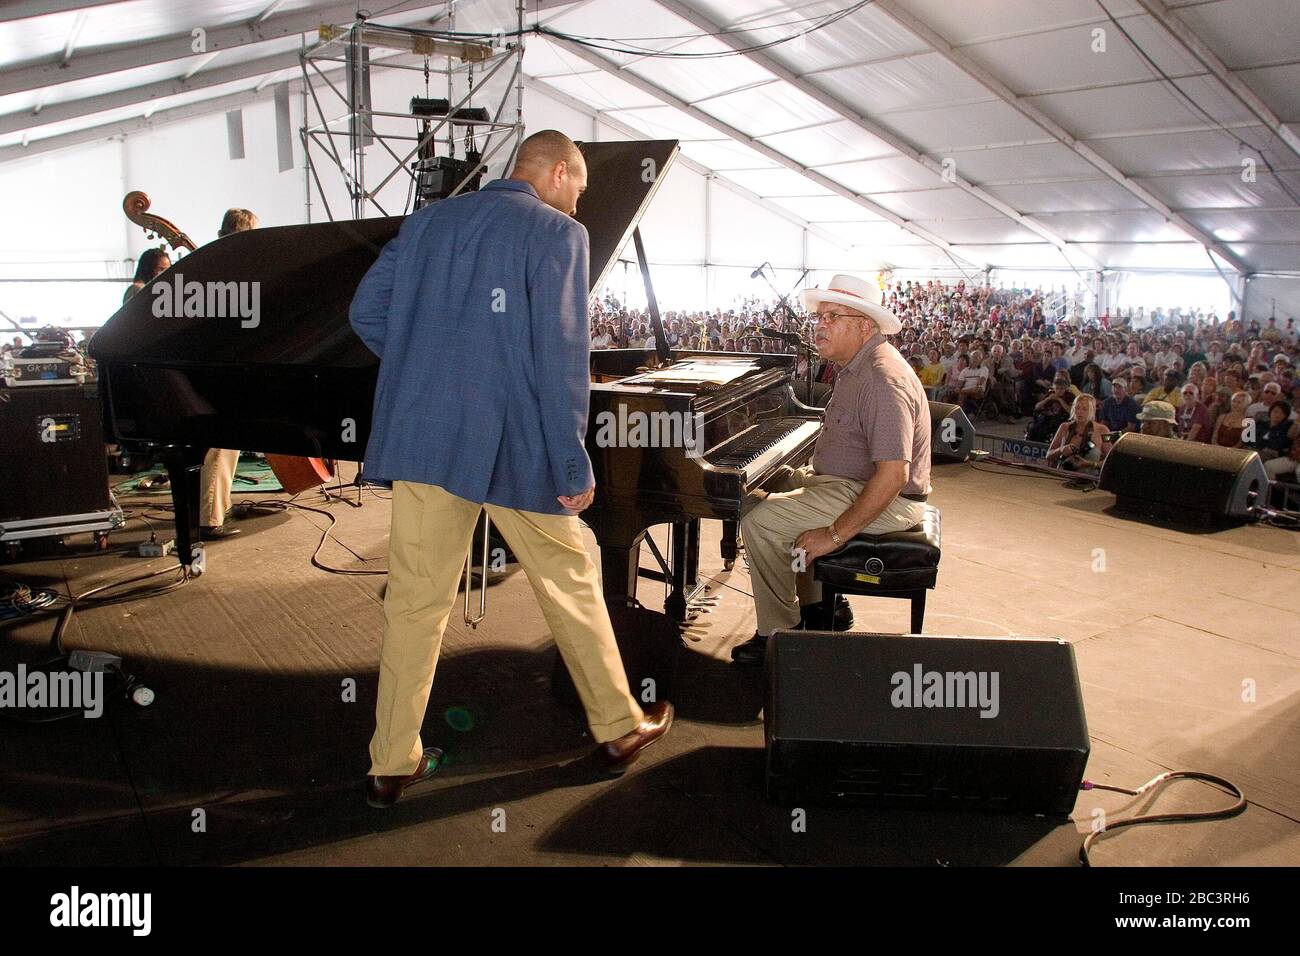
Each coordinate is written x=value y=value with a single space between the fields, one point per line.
x=1273 y=295
x=63 y=221
x=186 y=170
x=84 y=186
x=1131 y=291
x=827 y=258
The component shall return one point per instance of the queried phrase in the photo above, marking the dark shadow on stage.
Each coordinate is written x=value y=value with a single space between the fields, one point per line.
x=276 y=758
x=728 y=819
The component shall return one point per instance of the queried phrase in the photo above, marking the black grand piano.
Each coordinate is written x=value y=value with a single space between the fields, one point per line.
x=297 y=381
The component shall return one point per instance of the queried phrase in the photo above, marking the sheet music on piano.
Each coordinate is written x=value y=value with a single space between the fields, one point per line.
x=709 y=373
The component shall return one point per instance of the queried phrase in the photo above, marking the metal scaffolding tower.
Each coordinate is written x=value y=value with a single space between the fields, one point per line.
x=431 y=163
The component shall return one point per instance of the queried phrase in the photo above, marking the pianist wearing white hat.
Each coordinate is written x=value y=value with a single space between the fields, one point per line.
x=870 y=469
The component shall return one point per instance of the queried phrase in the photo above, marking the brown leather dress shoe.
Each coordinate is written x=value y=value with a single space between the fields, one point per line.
x=622 y=753
x=384 y=791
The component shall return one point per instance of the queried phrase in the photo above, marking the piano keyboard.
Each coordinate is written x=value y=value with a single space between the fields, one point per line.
x=763 y=445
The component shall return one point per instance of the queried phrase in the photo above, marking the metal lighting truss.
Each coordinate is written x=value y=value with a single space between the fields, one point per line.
x=398 y=47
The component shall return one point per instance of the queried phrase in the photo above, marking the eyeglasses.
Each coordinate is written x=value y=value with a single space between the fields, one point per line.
x=830 y=316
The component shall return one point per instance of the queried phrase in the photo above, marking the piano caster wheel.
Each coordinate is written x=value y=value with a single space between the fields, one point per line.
x=728 y=564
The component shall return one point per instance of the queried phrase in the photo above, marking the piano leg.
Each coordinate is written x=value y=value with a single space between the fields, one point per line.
x=685 y=567
x=729 y=551
x=692 y=552
x=183 y=464
x=619 y=570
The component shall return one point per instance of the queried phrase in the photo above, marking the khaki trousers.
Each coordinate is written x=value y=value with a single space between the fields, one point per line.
x=802 y=501
x=431 y=532
x=215 y=480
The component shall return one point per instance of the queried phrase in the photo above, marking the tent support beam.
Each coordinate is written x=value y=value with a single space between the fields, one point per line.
x=734 y=40
x=668 y=99
x=90 y=105
x=975 y=71
x=1186 y=37
x=577 y=105
x=129 y=56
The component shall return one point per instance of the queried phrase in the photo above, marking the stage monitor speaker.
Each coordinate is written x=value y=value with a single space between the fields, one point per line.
x=951 y=433
x=53 y=462
x=926 y=722
x=1184 y=480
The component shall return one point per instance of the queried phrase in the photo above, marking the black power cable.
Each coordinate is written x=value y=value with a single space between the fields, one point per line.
x=624 y=43
x=95 y=597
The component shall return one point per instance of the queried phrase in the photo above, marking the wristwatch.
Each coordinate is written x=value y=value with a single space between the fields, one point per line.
x=839 y=542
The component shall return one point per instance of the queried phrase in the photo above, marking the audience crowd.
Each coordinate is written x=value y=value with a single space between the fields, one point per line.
x=1074 y=383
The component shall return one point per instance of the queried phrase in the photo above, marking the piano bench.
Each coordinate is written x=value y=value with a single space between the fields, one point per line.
x=904 y=564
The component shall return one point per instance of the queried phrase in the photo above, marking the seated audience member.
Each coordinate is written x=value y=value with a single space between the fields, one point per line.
x=1080 y=443
x=1051 y=411
x=1137 y=383
x=1036 y=378
x=973 y=383
x=1194 y=422
x=1078 y=352
x=1059 y=362
x=1275 y=439
x=1119 y=413
x=1218 y=402
x=1159 y=419
x=1230 y=425
x=1132 y=358
x=1285 y=467
x=1113 y=361
x=1094 y=382
x=952 y=384
x=1002 y=380
x=1268 y=395
x=933 y=374
x=1166 y=391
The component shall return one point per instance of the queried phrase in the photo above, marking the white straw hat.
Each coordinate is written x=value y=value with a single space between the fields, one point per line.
x=857 y=294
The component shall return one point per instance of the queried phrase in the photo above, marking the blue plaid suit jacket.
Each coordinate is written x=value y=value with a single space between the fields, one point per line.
x=478 y=313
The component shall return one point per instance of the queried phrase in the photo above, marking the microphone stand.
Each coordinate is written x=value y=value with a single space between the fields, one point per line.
x=789 y=319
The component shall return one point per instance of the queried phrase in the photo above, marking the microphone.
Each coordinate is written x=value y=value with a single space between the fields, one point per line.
x=759 y=271
x=771 y=333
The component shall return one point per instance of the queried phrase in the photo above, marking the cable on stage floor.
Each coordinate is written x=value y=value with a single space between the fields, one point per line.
x=1190 y=816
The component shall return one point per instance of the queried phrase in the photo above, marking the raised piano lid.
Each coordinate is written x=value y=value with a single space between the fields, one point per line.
x=172 y=379
x=622 y=180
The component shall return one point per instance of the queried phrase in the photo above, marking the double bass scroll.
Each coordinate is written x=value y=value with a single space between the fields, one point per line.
x=136 y=207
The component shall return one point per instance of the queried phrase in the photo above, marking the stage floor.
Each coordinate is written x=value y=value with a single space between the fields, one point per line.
x=251 y=726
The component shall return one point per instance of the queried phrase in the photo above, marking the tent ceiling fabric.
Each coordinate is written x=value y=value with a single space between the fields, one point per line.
x=875 y=104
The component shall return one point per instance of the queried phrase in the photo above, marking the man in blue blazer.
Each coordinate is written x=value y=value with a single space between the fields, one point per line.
x=478 y=313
